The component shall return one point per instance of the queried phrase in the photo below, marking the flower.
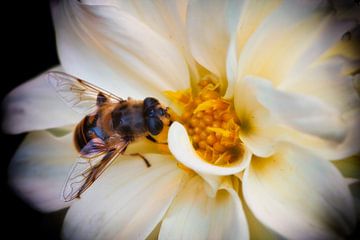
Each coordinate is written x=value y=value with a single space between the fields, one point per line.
x=262 y=98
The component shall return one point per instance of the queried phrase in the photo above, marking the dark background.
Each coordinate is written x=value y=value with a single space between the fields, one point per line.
x=28 y=50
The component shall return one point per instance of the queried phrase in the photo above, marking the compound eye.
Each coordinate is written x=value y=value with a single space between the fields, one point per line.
x=150 y=102
x=151 y=112
x=155 y=125
x=161 y=112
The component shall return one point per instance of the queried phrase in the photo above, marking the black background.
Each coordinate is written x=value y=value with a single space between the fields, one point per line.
x=28 y=48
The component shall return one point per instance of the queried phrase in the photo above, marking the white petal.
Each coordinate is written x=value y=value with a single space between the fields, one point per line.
x=256 y=228
x=350 y=145
x=351 y=181
x=311 y=121
x=329 y=31
x=194 y=215
x=127 y=201
x=261 y=143
x=337 y=89
x=332 y=150
x=35 y=105
x=167 y=18
x=209 y=45
x=231 y=68
x=258 y=129
x=304 y=113
x=39 y=169
x=327 y=81
x=213 y=183
x=299 y=195
x=116 y=51
x=252 y=14
x=181 y=147
x=291 y=38
x=261 y=134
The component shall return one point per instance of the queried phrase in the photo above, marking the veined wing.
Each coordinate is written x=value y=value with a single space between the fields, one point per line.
x=80 y=95
x=94 y=159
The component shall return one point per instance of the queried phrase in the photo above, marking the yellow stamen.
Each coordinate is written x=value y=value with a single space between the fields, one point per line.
x=211 y=122
x=224 y=133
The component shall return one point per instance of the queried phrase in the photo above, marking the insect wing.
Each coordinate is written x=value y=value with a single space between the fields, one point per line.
x=88 y=167
x=78 y=94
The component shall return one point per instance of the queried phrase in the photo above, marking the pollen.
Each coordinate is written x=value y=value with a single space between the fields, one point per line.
x=210 y=121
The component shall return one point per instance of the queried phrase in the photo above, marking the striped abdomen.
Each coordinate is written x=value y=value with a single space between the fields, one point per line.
x=86 y=130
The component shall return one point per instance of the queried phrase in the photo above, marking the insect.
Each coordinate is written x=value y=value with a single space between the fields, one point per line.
x=110 y=125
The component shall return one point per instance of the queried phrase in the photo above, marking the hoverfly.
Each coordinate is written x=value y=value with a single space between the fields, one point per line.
x=110 y=125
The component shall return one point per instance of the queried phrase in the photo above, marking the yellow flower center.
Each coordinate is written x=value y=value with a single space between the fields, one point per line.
x=211 y=122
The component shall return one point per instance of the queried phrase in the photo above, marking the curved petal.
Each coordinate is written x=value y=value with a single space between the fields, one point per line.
x=299 y=195
x=327 y=35
x=327 y=149
x=258 y=129
x=209 y=45
x=181 y=147
x=127 y=201
x=268 y=115
x=231 y=68
x=213 y=183
x=114 y=50
x=302 y=112
x=35 y=105
x=167 y=18
x=39 y=169
x=329 y=82
x=252 y=14
x=194 y=215
x=262 y=142
x=290 y=39
x=257 y=229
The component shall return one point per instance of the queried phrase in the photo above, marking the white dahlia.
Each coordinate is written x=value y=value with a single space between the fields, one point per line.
x=264 y=100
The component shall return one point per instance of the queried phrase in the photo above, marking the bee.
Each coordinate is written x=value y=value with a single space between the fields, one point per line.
x=109 y=126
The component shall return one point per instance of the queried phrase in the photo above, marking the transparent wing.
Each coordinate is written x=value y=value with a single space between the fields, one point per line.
x=89 y=166
x=79 y=94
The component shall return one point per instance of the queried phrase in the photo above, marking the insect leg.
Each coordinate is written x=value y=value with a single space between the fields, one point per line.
x=140 y=155
x=149 y=137
x=137 y=154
